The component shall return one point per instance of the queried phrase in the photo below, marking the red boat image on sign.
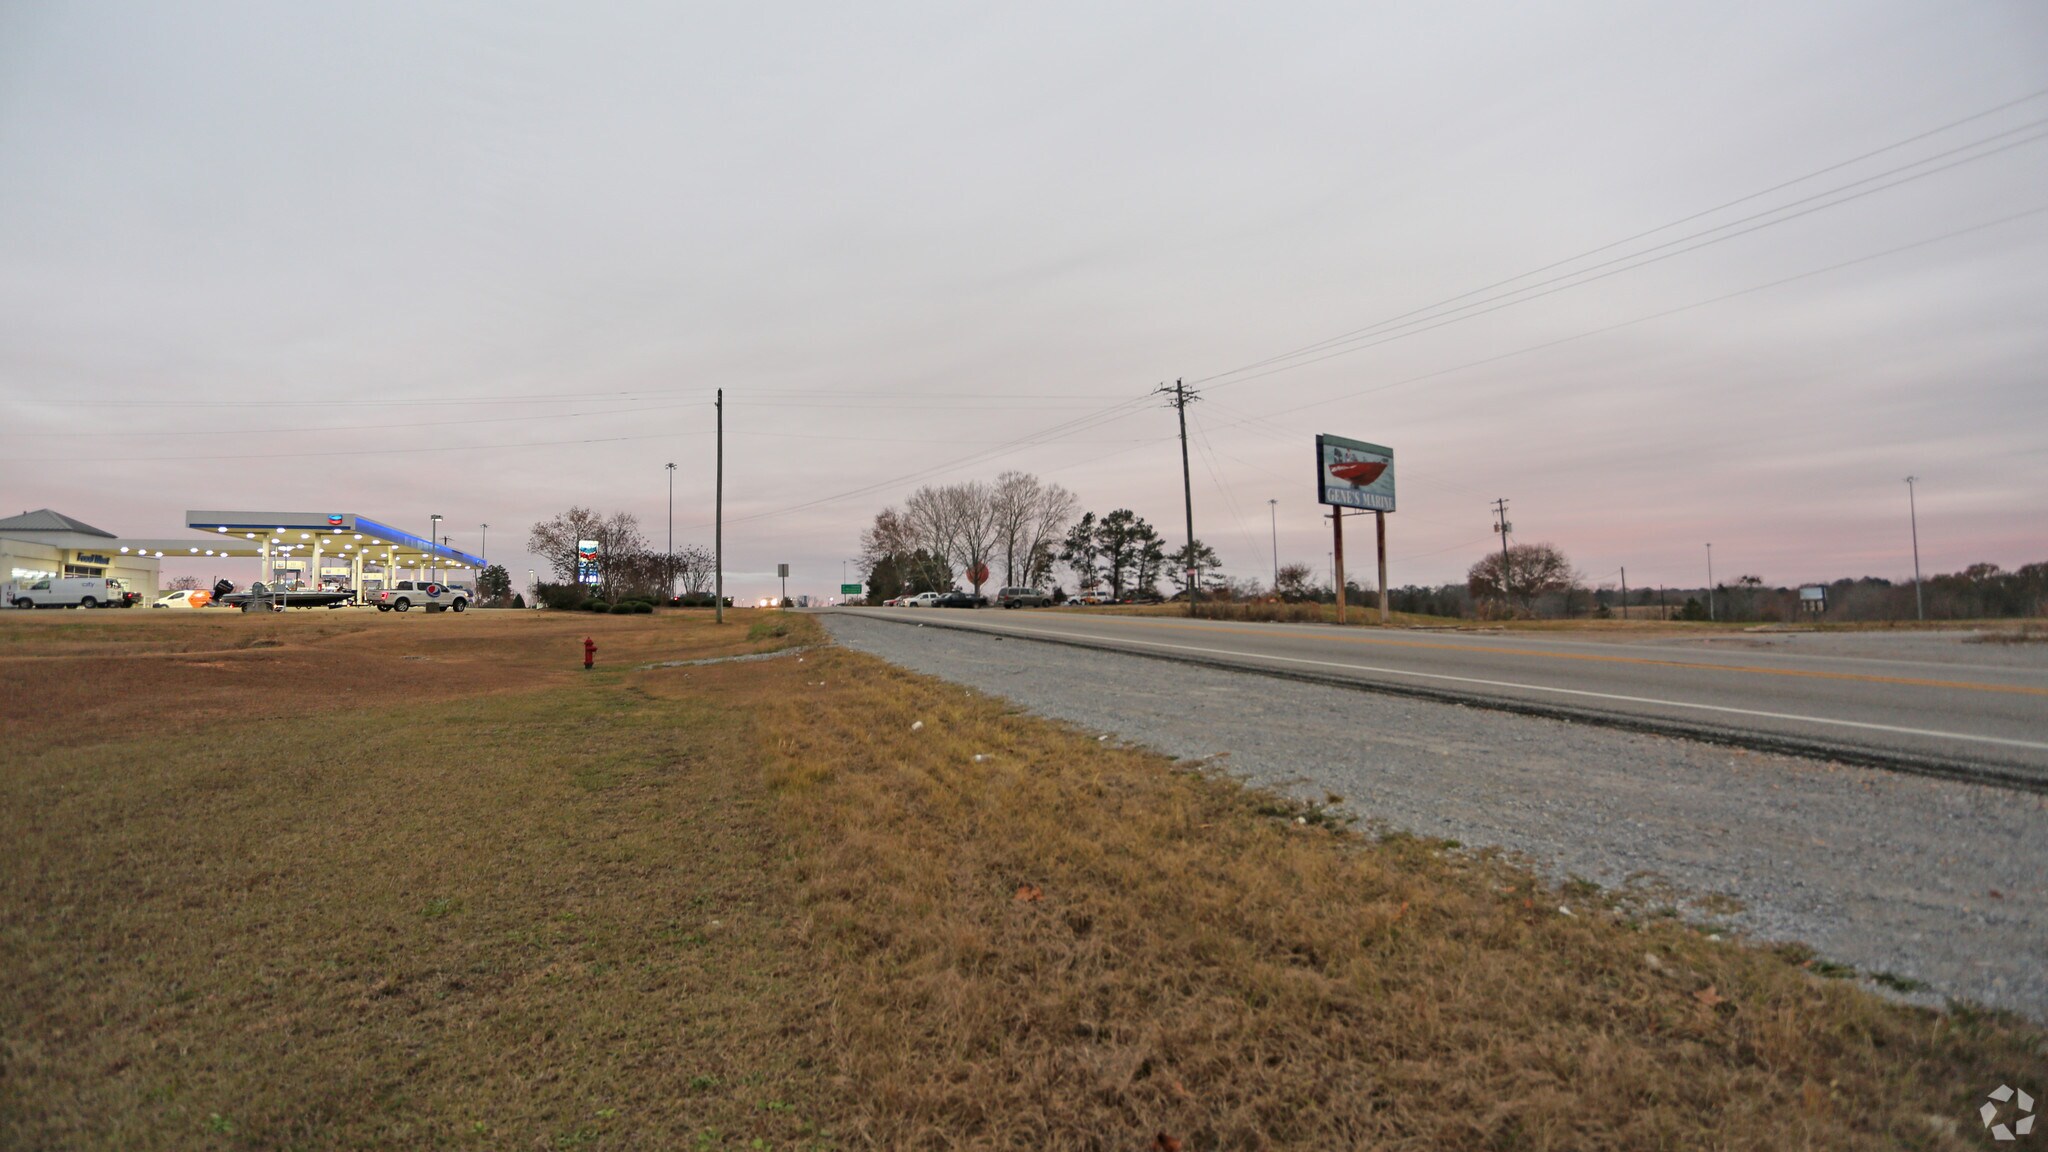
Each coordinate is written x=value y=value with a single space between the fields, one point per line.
x=1354 y=474
x=1359 y=473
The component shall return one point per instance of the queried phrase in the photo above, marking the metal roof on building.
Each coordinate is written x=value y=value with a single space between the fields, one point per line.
x=49 y=520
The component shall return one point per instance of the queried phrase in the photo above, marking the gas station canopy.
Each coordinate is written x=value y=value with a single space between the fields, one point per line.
x=308 y=541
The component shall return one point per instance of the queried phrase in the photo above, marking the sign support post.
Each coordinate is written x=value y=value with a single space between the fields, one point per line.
x=1380 y=519
x=1357 y=475
x=1337 y=557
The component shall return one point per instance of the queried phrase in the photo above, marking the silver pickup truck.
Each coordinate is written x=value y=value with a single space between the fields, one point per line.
x=409 y=594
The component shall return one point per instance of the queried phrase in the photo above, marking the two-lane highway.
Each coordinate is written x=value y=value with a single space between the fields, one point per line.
x=1980 y=717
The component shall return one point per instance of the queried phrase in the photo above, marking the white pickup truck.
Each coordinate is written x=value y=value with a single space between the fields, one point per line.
x=408 y=594
x=71 y=592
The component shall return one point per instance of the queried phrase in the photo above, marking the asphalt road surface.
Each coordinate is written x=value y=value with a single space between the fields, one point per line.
x=1914 y=701
x=1910 y=875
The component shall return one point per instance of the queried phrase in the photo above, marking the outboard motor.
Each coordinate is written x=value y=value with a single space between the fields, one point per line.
x=222 y=588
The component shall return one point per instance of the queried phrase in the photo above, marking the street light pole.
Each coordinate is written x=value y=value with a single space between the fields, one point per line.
x=484 y=549
x=669 y=561
x=1273 y=513
x=1710 y=581
x=718 y=520
x=434 y=545
x=1913 y=511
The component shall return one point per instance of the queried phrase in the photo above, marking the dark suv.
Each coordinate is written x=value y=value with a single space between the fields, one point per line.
x=1022 y=598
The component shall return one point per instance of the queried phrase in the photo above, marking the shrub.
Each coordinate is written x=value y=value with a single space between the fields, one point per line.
x=1309 y=613
x=561 y=596
x=596 y=606
x=622 y=609
x=518 y=601
x=643 y=608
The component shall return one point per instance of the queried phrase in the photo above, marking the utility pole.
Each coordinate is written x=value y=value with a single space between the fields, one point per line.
x=1913 y=510
x=433 y=545
x=1181 y=398
x=1273 y=510
x=668 y=562
x=718 y=518
x=1501 y=525
x=1710 y=581
x=1624 y=592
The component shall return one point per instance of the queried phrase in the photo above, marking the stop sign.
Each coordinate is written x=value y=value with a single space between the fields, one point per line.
x=978 y=574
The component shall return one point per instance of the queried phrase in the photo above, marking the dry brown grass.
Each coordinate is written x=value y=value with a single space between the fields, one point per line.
x=745 y=905
x=481 y=918
x=1194 y=965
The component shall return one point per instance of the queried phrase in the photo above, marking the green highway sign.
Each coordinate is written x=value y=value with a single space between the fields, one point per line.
x=849 y=589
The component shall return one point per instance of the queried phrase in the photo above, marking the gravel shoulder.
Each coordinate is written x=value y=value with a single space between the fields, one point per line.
x=1923 y=879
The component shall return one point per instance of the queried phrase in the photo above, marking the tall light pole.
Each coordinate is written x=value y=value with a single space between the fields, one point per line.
x=433 y=545
x=1273 y=513
x=484 y=549
x=1913 y=511
x=718 y=520
x=669 y=562
x=1710 y=580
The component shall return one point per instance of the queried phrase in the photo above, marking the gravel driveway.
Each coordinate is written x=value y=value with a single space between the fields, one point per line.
x=1923 y=879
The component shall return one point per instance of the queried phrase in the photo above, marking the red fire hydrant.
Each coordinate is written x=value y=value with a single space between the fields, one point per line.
x=589 y=653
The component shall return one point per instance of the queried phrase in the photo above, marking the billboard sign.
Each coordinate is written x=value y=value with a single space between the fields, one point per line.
x=849 y=589
x=1354 y=474
x=586 y=562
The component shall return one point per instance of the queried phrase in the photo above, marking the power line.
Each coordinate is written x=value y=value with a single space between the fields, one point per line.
x=1336 y=346
x=1102 y=416
x=1894 y=146
x=1779 y=283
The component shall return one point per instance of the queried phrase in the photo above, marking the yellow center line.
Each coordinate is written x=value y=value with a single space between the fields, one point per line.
x=1908 y=681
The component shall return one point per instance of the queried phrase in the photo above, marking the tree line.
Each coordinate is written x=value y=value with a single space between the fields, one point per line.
x=1020 y=531
x=627 y=566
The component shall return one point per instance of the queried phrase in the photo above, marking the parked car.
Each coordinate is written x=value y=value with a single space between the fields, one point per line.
x=959 y=600
x=1023 y=598
x=1094 y=598
x=893 y=602
x=921 y=600
x=187 y=598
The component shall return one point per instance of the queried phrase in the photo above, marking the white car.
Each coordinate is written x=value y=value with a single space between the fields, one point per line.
x=188 y=598
x=921 y=600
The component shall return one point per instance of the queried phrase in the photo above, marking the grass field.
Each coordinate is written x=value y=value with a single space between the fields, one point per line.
x=340 y=880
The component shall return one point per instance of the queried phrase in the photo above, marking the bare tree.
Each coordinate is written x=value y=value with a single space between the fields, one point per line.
x=1533 y=569
x=617 y=535
x=693 y=566
x=955 y=524
x=556 y=539
x=1030 y=517
x=1293 y=583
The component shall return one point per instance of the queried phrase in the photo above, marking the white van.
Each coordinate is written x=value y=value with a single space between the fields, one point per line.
x=69 y=592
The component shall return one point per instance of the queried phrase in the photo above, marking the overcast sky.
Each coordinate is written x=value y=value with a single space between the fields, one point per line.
x=490 y=260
